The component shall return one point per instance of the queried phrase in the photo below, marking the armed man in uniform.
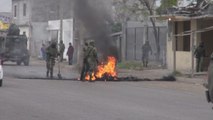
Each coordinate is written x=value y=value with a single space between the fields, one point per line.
x=51 y=54
x=200 y=54
x=92 y=59
x=84 y=70
x=61 y=50
x=146 y=48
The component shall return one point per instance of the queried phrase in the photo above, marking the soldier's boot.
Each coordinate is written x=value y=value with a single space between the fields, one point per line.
x=146 y=64
x=51 y=75
x=47 y=74
x=90 y=77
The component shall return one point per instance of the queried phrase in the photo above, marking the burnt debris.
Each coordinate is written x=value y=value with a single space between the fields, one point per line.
x=108 y=78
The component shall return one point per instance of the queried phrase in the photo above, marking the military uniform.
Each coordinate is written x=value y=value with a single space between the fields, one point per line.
x=199 y=54
x=84 y=70
x=146 y=48
x=92 y=59
x=51 y=54
x=61 y=50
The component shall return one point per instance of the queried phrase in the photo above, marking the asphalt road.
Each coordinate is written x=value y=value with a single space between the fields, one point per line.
x=24 y=99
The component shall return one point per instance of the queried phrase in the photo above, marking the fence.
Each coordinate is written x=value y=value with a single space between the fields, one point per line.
x=136 y=37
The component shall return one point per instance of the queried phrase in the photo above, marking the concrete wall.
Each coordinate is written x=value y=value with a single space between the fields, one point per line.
x=39 y=36
x=136 y=35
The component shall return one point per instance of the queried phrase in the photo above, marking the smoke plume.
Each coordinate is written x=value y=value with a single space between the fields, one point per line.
x=96 y=19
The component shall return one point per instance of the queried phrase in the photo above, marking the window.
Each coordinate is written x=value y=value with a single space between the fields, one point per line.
x=182 y=42
x=186 y=39
x=24 y=33
x=24 y=9
x=15 y=10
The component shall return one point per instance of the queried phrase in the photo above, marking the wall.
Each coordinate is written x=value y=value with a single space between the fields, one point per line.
x=21 y=19
x=183 y=59
x=39 y=36
x=136 y=35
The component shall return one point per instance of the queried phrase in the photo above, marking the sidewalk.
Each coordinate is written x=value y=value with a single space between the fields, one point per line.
x=72 y=71
x=160 y=73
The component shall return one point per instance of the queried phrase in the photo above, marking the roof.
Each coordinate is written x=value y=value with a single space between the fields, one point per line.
x=201 y=9
x=182 y=18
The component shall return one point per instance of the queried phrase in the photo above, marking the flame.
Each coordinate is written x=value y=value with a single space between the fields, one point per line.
x=109 y=69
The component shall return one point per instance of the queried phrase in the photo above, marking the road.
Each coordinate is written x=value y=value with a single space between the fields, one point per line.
x=28 y=99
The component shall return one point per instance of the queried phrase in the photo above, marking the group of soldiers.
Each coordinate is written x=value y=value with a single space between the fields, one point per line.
x=56 y=51
x=90 y=60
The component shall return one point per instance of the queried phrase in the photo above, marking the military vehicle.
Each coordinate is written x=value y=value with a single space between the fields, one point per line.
x=209 y=85
x=13 y=47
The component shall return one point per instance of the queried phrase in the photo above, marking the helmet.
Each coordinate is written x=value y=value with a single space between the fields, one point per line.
x=53 y=44
x=92 y=42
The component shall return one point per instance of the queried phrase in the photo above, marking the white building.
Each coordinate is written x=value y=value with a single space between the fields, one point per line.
x=32 y=18
x=54 y=32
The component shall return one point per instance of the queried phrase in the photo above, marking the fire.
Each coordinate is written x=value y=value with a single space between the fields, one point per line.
x=109 y=69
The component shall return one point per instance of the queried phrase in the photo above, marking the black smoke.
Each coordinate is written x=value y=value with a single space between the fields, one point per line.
x=96 y=19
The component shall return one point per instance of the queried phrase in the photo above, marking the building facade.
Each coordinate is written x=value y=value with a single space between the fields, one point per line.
x=32 y=17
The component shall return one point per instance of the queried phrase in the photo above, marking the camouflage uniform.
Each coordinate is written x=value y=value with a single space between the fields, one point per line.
x=61 y=50
x=84 y=70
x=51 y=54
x=199 y=54
x=146 y=48
x=92 y=59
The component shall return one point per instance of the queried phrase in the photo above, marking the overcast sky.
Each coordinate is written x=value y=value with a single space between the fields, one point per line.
x=5 y=5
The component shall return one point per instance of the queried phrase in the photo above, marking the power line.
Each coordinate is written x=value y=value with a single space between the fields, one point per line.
x=186 y=33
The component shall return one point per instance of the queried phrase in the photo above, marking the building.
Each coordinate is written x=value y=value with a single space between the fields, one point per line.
x=32 y=17
x=186 y=31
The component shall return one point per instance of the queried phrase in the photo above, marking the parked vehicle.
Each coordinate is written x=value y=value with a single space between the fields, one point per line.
x=209 y=85
x=13 y=47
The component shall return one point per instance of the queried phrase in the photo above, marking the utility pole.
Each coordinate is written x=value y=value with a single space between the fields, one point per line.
x=61 y=11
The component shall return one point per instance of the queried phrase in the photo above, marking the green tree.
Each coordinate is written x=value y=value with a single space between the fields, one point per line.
x=138 y=8
x=165 y=4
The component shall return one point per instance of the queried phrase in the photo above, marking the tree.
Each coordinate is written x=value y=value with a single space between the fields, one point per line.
x=165 y=4
x=140 y=8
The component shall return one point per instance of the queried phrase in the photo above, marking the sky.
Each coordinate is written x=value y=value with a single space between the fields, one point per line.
x=5 y=5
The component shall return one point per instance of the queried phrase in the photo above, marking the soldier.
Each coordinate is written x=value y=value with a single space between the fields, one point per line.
x=199 y=54
x=61 y=50
x=84 y=70
x=146 y=48
x=92 y=59
x=51 y=54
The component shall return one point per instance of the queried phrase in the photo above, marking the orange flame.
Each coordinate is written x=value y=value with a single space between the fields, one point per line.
x=109 y=68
